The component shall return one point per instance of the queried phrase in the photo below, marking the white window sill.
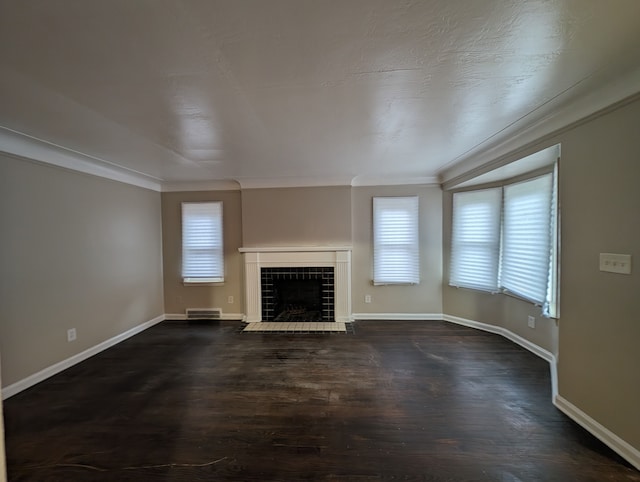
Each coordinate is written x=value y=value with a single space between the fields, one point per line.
x=393 y=283
x=503 y=291
x=202 y=281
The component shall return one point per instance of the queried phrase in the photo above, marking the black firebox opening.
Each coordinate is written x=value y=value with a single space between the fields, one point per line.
x=298 y=300
x=297 y=293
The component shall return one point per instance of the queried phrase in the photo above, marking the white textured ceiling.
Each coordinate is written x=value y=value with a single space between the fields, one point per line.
x=325 y=90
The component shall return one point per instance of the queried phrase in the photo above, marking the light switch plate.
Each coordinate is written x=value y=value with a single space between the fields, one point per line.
x=615 y=263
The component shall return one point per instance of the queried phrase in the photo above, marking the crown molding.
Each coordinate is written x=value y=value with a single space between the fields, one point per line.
x=517 y=142
x=24 y=146
x=21 y=145
x=285 y=182
x=182 y=186
x=362 y=181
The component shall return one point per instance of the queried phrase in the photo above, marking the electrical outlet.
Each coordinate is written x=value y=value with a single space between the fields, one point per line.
x=230 y=300
x=71 y=334
x=531 y=321
x=615 y=263
x=367 y=298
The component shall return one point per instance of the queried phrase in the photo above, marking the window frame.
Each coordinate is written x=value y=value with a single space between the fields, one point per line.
x=216 y=216
x=550 y=305
x=411 y=269
x=470 y=251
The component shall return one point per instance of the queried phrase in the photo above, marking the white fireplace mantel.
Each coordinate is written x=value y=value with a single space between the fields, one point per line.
x=338 y=257
x=295 y=249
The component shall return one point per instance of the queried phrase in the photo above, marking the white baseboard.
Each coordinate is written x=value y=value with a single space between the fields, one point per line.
x=617 y=444
x=517 y=339
x=397 y=316
x=622 y=448
x=533 y=348
x=31 y=380
x=609 y=438
x=223 y=316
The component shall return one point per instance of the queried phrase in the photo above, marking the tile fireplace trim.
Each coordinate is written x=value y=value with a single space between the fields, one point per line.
x=338 y=257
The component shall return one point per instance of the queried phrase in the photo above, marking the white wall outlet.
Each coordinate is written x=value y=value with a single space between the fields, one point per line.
x=615 y=263
x=230 y=299
x=71 y=334
x=531 y=321
x=367 y=298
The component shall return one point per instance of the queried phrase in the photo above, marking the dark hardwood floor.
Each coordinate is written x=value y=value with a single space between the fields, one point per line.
x=425 y=401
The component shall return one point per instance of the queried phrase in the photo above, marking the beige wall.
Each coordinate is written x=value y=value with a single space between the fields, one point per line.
x=76 y=251
x=304 y=217
x=599 y=327
x=296 y=216
x=3 y=469
x=600 y=318
x=499 y=310
x=83 y=252
x=179 y=297
x=424 y=298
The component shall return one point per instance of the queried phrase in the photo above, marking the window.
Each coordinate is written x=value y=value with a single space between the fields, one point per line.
x=475 y=246
x=396 y=257
x=505 y=239
x=202 y=254
x=526 y=238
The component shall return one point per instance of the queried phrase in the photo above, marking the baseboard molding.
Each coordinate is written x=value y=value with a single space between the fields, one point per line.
x=517 y=339
x=223 y=316
x=498 y=330
x=396 y=316
x=622 y=448
x=42 y=375
x=618 y=445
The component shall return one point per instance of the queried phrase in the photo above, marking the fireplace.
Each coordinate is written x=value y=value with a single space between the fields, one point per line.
x=268 y=269
x=297 y=294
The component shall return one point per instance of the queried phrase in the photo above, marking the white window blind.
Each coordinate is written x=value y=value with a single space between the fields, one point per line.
x=396 y=256
x=506 y=239
x=202 y=254
x=527 y=238
x=475 y=239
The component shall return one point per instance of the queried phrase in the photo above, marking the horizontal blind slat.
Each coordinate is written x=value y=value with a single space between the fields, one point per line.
x=202 y=250
x=395 y=240
x=527 y=238
x=475 y=239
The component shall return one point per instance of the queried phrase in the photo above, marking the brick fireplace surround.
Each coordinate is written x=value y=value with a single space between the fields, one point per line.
x=339 y=258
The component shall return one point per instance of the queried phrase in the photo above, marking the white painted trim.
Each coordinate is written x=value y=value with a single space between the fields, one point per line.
x=223 y=317
x=28 y=147
x=241 y=184
x=293 y=249
x=397 y=316
x=180 y=186
x=42 y=375
x=362 y=181
x=517 y=339
x=293 y=182
x=498 y=330
x=529 y=131
x=256 y=259
x=622 y=448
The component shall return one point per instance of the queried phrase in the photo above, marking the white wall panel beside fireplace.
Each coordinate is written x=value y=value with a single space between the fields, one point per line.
x=339 y=258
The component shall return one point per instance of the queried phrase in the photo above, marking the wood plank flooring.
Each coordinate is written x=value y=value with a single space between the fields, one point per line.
x=425 y=401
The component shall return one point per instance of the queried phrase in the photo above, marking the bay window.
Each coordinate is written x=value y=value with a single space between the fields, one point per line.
x=504 y=240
